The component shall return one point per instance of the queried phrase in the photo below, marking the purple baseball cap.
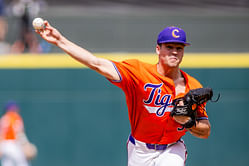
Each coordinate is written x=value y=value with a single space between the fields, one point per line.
x=172 y=35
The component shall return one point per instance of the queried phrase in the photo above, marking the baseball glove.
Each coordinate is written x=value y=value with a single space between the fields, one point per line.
x=187 y=105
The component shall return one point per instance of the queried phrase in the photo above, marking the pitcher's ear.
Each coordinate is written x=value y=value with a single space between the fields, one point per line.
x=158 y=47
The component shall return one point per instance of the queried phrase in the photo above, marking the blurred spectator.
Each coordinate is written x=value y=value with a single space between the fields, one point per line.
x=25 y=11
x=15 y=148
x=27 y=41
x=4 y=45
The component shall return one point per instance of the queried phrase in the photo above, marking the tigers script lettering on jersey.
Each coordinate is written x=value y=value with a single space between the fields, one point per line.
x=149 y=96
x=163 y=102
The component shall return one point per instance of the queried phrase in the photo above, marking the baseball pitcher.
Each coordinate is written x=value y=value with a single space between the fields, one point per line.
x=160 y=106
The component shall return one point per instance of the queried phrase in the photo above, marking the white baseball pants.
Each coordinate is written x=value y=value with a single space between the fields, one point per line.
x=140 y=155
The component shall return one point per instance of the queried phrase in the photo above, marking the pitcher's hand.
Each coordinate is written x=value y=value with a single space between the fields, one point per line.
x=50 y=34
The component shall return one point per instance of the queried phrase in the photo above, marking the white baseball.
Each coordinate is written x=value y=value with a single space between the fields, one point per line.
x=38 y=23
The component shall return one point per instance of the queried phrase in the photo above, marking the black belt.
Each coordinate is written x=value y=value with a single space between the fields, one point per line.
x=151 y=146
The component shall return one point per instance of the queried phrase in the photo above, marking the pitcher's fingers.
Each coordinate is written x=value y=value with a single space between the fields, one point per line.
x=46 y=23
x=49 y=28
x=38 y=31
x=41 y=33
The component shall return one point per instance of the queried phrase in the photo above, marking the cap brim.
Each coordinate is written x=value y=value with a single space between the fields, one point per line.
x=174 y=41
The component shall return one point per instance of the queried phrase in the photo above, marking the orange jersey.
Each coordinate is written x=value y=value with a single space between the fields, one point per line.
x=149 y=97
x=10 y=124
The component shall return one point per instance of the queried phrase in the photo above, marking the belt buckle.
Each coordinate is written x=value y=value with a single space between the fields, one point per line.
x=155 y=146
x=160 y=147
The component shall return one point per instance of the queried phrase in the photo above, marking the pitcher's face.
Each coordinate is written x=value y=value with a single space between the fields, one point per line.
x=170 y=54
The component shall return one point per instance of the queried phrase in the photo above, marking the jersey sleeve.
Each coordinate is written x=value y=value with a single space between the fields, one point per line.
x=128 y=73
x=202 y=113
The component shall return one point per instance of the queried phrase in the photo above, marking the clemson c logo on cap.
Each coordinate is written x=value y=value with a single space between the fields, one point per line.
x=173 y=33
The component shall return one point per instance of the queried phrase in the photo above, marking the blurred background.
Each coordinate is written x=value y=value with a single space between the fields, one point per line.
x=76 y=117
x=133 y=25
